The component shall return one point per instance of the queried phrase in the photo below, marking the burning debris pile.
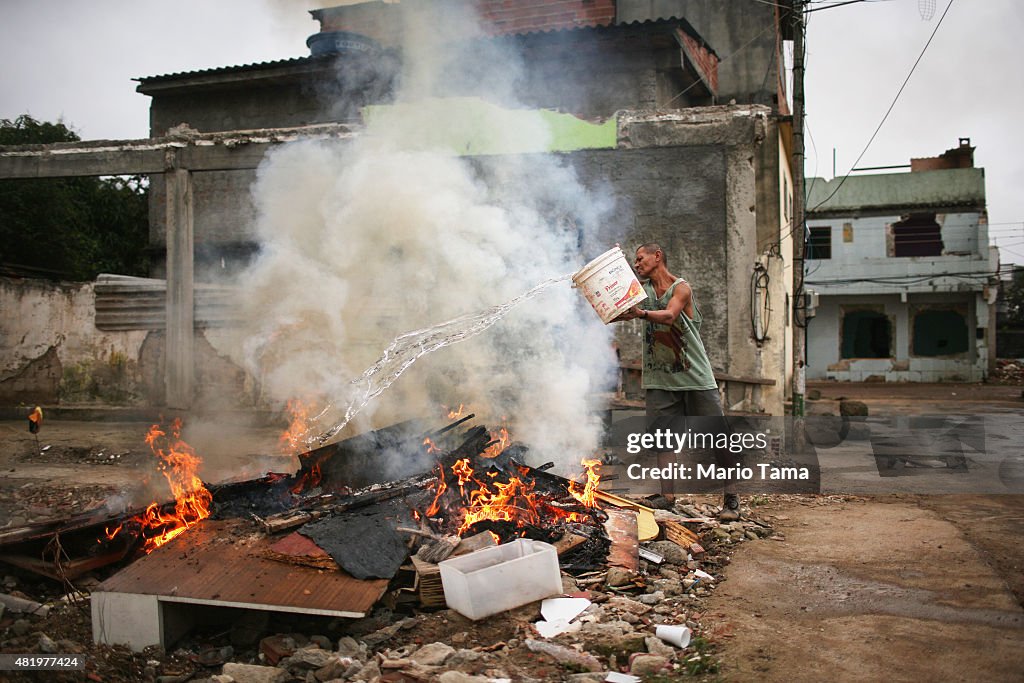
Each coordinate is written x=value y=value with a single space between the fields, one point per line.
x=179 y=464
x=460 y=482
x=324 y=541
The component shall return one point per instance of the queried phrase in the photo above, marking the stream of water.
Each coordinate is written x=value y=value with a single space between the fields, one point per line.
x=409 y=347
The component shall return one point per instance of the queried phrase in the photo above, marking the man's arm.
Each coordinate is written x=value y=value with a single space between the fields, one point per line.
x=681 y=301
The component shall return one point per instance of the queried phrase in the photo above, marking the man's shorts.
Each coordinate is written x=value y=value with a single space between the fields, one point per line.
x=707 y=402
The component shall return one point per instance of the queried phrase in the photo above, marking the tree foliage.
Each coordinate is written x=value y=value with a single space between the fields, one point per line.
x=72 y=228
x=1013 y=294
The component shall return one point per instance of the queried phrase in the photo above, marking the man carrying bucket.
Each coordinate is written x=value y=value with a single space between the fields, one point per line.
x=677 y=374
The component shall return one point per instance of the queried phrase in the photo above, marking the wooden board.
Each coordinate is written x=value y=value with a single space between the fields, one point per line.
x=430 y=590
x=222 y=563
x=679 y=534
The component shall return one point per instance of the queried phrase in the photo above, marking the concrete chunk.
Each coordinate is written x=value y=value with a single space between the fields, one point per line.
x=251 y=673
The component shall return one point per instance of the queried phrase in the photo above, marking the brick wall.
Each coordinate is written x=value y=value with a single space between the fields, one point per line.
x=517 y=16
x=382 y=21
x=958 y=157
x=705 y=60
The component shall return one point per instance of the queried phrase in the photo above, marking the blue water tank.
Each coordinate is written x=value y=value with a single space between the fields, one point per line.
x=341 y=42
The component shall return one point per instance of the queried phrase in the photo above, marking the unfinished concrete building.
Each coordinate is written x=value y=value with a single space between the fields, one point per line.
x=694 y=153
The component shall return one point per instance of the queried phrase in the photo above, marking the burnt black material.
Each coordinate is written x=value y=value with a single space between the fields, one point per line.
x=364 y=542
x=266 y=496
x=590 y=555
x=388 y=454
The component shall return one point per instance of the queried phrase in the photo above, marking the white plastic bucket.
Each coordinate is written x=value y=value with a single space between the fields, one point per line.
x=609 y=284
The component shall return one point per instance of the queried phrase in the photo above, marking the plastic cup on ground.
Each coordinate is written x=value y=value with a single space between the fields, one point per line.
x=675 y=635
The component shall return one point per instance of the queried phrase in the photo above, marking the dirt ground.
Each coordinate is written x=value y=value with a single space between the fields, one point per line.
x=905 y=588
x=886 y=587
x=78 y=465
x=853 y=587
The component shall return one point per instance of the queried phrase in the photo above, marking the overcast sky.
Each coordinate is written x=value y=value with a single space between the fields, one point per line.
x=75 y=60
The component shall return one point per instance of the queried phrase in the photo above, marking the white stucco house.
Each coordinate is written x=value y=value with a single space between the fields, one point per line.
x=902 y=274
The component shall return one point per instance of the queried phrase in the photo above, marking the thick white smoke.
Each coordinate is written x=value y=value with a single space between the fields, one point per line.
x=391 y=232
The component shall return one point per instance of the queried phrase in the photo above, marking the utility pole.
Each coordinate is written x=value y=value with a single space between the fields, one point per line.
x=798 y=231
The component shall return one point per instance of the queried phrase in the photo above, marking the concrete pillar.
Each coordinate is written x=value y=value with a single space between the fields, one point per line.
x=179 y=364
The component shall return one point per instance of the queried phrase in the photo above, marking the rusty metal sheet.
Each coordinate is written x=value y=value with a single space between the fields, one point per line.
x=298 y=549
x=297 y=544
x=223 y=563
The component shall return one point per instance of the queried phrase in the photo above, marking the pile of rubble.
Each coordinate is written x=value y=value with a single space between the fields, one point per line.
x=614 y=637
x=1008 y=371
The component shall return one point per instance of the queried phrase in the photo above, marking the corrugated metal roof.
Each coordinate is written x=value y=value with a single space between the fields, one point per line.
x=216 y=71
x=301 y=61
x=222 y=563
x=933 y=189
x=129 y=303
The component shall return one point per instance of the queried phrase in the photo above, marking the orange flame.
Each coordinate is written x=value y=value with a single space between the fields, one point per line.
x=588 y=496
x=515 y=500
x=501 y=439
x=294 y=439
x=179 y=464
x=511 y=502
x=455 y=414
x=311 y=479
x=431 y=446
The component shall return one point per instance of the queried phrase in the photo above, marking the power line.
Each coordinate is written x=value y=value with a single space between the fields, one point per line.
x=905 y=279
x=1014 y=251
x=840 y=4
x=773 y=4
x=891 y=106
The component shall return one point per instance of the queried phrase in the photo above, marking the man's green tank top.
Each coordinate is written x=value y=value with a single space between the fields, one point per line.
x=673 y=355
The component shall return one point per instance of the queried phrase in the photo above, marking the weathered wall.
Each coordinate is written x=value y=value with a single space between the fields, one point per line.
x=750 y=74
x=223 y=214
x=51 y=352
x=593 y=75
x=825 y=341
x=689 y=181
x=223 y=109
x=675 y=196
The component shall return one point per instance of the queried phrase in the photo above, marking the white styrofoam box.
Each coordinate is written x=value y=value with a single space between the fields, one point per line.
x=499 y=578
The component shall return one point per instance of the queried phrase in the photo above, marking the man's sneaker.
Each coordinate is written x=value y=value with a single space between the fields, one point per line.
x=730 y=511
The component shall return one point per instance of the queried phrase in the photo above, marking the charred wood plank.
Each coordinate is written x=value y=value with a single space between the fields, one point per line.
x=568 y=542
x=453 y=425
x=287 y=520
